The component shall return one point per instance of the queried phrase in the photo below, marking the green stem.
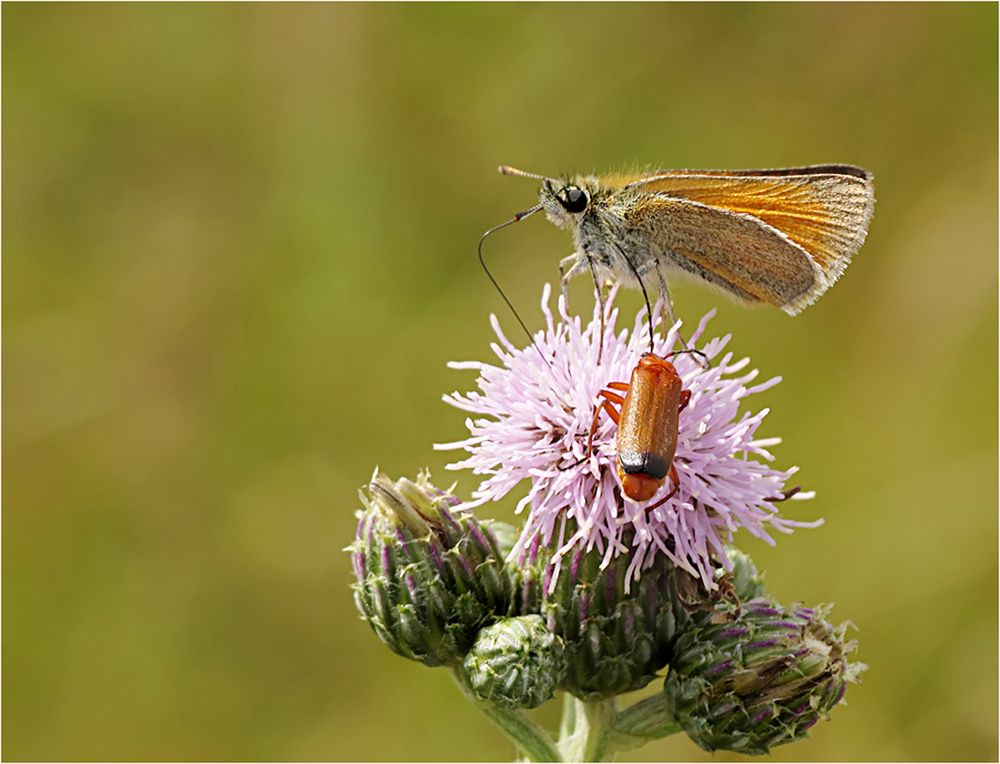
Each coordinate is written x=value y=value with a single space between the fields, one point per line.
x=528 y=736
x=649 y=719
x=592 y=738
x=568 y=723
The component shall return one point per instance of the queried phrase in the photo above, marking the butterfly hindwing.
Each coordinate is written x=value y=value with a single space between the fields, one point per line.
x=821 y=213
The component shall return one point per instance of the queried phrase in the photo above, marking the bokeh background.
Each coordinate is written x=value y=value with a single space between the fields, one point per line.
x=239 y=249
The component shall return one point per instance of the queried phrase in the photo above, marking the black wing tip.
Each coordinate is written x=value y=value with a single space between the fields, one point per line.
x=643 y=463
x=841 y=169
x=817 y=169
x=778 y=172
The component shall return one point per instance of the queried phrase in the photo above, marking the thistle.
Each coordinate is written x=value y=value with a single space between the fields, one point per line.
x=428 y=575
x=596 y=594
x=759 y=680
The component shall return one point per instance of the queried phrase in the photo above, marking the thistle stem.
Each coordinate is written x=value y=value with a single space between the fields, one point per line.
x=592 y=738
x=528 y=736
x=567 y=724
x=649 y=719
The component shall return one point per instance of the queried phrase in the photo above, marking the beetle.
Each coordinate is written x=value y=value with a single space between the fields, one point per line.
x=647 y=422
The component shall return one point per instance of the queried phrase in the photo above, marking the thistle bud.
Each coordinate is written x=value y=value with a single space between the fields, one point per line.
x=517 y=662
x=429 y=576
x=759 y=680
x=616 y=640
x=747 y=583
x=506 y=536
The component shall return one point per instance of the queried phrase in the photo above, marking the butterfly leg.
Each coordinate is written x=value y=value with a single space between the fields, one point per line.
x=600 y=297
x=570 y=267
x=564 y=280
x=668 y=305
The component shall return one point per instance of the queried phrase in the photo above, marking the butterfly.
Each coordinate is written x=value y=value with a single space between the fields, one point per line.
x=774 y=237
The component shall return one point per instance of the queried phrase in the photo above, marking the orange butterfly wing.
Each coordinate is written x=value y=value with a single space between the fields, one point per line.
x=825 y=209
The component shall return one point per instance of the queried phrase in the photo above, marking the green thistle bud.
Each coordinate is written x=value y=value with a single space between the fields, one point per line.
x=760 y=679
x=615 y=640
x=505 y=534
x=428 y=576
x=516 y=662
x=747 y=583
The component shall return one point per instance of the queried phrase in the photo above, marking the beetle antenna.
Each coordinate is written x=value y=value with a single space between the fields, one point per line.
x=518 y=217
x=693 y=351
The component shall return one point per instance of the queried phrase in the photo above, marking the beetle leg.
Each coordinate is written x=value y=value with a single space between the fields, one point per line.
x=685 y=399
x=677 y=484
x=618 y=386
x=785 y=495
x=602 y=405
x=614 y=398
x=605 y=406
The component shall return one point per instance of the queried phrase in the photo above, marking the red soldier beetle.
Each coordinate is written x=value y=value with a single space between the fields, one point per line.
x=647 y=421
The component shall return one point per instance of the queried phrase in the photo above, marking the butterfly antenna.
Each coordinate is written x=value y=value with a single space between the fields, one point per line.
x=505 y=170
x=518 y=217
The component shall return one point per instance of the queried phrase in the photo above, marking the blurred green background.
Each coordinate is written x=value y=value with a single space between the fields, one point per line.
x=239 y=249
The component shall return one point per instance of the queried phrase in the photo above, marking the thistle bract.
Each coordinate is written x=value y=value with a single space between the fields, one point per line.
x=759 y=680
x=517 y=662
x=428 y=576
x=747 y=582
x=616 y=637
x=505 y=534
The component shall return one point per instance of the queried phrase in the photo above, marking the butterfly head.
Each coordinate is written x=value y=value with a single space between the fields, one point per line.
x=567 y=200
x=564 y=200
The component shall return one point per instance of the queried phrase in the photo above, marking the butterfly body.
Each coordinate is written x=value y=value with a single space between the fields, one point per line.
x=775 y=237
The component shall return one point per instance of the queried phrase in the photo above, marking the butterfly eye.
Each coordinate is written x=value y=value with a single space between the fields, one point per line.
x=573 y=199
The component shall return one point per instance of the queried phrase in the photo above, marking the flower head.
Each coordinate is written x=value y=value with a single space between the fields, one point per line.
x=616 y=640
x=516 y=662
x=761 y=678
x=428 y=575
x=533 y=415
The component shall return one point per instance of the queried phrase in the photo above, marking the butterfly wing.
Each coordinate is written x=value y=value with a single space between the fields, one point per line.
x=777 y=236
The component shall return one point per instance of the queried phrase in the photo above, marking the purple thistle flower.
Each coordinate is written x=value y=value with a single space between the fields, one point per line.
x=533 y=413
